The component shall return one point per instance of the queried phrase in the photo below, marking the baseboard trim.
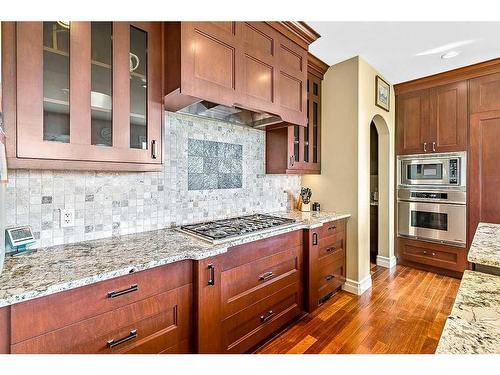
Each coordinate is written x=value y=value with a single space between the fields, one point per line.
x=356 y=287
x=386 y=262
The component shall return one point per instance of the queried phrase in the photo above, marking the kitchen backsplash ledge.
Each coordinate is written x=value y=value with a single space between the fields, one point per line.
x=111 y=204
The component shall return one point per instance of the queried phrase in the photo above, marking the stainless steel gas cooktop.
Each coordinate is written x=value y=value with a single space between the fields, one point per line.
x=222 y=230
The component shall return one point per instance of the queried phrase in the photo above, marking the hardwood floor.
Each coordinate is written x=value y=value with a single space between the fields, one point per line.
x=404 y=312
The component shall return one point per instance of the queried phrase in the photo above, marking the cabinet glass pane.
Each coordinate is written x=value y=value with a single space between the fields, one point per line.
x=315 y=132
x=138 y=88
x=56 y=81
x=296 y=135
x=101 y=96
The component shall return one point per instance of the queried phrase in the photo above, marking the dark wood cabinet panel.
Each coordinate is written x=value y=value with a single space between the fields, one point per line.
x=484 y=169
x=294 y=149
x=429 y=254
x=135 y=327
x=250 y=65
x=146 y=312
x=485 y=93
x=5 y=330
x=449 y=117
x=413 y=122
x=324 y=262
x=247 y=294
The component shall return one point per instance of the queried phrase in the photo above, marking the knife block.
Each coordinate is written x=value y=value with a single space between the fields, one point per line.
x=304 y=207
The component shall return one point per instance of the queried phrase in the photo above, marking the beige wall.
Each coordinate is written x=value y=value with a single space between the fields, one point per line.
x=348 y=107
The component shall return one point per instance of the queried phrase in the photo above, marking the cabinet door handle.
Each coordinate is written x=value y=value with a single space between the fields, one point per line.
x=264 y=318
x=433 y=254
x=266 y=276
x=329 y=277
x=292 y=160
x=433 y=146
x=112 y=343
x=315 y=239
x=113 y=294
x=153 y=149
x=332 y=227
x=330 y=249
x=425 y=146
x=211 y=277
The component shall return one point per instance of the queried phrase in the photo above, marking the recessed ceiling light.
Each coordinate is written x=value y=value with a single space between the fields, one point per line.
x=450 y=54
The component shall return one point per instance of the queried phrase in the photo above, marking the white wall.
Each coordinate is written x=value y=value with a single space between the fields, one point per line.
x=348 y=107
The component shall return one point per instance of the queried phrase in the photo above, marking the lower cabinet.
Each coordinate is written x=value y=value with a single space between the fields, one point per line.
x=144 y=312
x=437 y=257
x=325 y=262
x=248 y=294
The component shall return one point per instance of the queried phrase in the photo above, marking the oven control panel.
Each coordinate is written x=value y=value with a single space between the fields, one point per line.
x=429 y=195
x=454 y=171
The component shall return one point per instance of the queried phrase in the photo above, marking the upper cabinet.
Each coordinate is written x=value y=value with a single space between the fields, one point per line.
x=433 y=119
x=88 y=95
x=257 y=67
x=295 y=149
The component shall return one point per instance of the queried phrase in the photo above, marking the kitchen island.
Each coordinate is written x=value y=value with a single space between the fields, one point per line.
x=484 y=252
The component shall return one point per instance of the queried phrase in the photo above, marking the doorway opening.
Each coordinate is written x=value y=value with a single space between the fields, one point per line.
x=374 y=222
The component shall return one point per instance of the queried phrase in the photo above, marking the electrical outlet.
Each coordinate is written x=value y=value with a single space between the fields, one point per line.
x=67 y=218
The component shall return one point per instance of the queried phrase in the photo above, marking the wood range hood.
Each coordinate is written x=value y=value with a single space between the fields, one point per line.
x=245 y=73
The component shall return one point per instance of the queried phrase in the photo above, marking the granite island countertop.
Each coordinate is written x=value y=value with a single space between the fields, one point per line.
x=485 y=247
x=64 y=267
x=473 y=326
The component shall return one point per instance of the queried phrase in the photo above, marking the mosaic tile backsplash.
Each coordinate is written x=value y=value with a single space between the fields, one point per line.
x=214 y=165
x=110 y=204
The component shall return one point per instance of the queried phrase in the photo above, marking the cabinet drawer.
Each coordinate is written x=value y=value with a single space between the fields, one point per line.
x=36 y=317
x=331 y=275
x=428 y=254
x=331 y=246
x=150 y=325
x=331 y=228
x=247 y=328
x=253 y=281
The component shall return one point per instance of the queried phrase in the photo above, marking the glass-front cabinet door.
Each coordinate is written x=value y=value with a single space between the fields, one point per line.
x=89 y=91
x=306 y=141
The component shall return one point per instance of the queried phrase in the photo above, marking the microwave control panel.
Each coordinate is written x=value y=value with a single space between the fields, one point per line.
x=454 y=171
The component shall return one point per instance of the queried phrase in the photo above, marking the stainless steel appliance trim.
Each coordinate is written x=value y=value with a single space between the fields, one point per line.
x=457 y=218
x=453 y=196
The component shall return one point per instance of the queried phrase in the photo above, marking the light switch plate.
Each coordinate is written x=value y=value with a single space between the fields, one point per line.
x=67 y=218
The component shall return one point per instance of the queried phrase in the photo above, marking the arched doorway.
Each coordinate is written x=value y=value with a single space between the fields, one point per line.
x=385 y=194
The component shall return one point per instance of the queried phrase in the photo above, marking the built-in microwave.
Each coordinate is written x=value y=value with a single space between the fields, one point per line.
x=437 y=170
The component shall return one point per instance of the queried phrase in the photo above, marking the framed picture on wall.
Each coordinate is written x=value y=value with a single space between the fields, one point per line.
x=382 y=93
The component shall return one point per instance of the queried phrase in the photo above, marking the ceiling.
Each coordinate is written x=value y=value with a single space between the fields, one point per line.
x=403 y=51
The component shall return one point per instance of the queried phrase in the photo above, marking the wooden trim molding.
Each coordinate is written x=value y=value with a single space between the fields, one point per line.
x=316 y=66
x=459 y=74
x=298 y=31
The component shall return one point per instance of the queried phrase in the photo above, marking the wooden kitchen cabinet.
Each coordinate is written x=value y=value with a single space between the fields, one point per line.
x=324 y=262
x=294 y=149
x=5 y=330
x=485 y=93
x=83 y=95
x=432 y=120
x=251 y=65
x=144 y=312
x=248 y=294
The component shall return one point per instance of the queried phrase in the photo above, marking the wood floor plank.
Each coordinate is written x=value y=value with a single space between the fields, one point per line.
x=403 y=312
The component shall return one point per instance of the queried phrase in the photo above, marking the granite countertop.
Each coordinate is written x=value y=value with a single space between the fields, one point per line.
x=485 y=247
x=58 y=268
x=474 y=323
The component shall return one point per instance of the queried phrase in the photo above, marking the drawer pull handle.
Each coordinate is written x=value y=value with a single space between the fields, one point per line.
x=211 y=270
x=315 y=239
x=264 y=318
x=133 y=288
x=332 y=227
x=433 y=254
x=329 y=277
x=112 y=343
x=266 y=276
x=330 y=249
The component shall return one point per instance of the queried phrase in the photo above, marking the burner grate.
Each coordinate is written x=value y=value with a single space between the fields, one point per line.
x=238 y=226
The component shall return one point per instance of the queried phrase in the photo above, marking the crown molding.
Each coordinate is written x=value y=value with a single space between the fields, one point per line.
x=316 y=66
x=298 y=31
